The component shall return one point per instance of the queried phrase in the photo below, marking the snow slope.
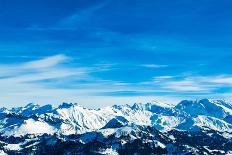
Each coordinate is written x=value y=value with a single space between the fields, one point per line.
x=69 y=119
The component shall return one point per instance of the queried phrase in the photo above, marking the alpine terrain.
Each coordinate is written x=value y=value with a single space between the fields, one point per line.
x=190 y=127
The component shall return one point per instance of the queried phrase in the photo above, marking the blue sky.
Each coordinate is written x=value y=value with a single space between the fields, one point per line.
x=106 y=52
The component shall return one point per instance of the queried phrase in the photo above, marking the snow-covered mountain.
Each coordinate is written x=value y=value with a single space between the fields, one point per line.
x=150 y=127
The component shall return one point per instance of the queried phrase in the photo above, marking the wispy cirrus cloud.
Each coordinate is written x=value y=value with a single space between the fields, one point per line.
x=185 y=85
x=80 y=16
x=39 y=69
x=153 y=65
x=157 y=78
x=46 y=62
x=222 y=79
x=56 y=79
x=25 y=78
x=46 y=68
x=193 y=83
x=73 y=21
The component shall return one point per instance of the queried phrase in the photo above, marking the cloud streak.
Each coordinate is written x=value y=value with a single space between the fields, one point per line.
x=43 y=69
x=23 y=80
x=193 y=83
x=46 y=62
x=153 y=66
x=56 y=79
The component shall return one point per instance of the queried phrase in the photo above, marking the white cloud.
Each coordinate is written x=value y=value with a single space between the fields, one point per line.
x=164 y=77
x=191 y=83
x=24 y=82
x=32 y=66
x=25 y=86
x=46 y=62
x=153 y=65
x=158 y=78
x=185 y=85
x=221 y=80
x=43 y=69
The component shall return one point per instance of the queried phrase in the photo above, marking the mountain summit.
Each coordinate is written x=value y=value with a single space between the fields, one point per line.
x=133 y=129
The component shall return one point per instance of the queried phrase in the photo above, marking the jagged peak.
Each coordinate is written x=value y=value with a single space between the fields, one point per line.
x=65 y=105
x=3 y=109
x=119 y=107
x=31 y=105
x=204 y=101
x=185 y=103
x=116 y=122
x=205 y=107
x=75 y=118
x=138 y=106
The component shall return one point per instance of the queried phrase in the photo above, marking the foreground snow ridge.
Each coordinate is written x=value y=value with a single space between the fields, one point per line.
x=158 y=127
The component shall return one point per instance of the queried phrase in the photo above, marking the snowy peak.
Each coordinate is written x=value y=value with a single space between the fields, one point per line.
x=151 y=126
x=117 y=122
x=218 y=109
x=31 y=106
x=31 y=109
x=66 y=105
x=70 y=118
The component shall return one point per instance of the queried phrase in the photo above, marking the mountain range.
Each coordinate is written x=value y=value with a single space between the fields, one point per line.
x=189 y=127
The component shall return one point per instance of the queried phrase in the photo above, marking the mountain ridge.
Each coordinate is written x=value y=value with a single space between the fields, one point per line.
x=68 y=119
